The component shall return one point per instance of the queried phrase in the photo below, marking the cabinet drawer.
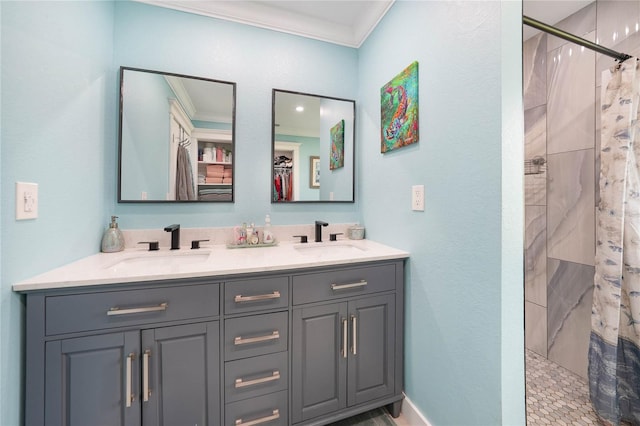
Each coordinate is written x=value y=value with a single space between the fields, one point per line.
x=329 y=285
x=255 y=335
x=93 y=311
x=254 y=295
x=251 y=377
x=269 y=409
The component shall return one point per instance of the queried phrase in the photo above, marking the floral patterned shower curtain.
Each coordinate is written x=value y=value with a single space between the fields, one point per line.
x=614 y=347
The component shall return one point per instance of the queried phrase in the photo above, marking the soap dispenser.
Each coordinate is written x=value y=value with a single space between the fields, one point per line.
x=267 y=233
x=112 y=240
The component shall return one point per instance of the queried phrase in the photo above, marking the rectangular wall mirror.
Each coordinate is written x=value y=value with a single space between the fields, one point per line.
x=176 y=138
x=313 y=147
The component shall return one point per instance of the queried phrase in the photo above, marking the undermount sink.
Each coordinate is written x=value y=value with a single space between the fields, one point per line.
x=156 y=261
x=329 y=248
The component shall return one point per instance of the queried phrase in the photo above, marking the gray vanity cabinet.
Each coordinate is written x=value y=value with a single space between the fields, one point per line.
x=180 y=375
x=136 y=354
x=345 y=352
x=304 y=347
x=108 y=379
x=86 y=380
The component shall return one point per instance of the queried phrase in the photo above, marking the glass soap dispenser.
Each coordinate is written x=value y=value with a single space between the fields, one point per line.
x=112 y=240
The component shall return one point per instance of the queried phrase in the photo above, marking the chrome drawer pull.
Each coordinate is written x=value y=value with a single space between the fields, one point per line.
x=354 y=335
x=274 y=376
x=146 y=392
x=129 y=397
x=240 y=341
x=240 y=298
x=343 y=349
x=274 y=416
x=360 y=283
x=117 y=311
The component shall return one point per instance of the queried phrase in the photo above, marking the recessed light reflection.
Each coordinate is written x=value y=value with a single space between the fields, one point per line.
x=299 y=108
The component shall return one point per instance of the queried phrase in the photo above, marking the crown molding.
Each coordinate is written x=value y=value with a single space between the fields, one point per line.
x=263 y=15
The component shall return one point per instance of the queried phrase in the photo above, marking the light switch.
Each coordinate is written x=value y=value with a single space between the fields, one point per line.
x=26 y=200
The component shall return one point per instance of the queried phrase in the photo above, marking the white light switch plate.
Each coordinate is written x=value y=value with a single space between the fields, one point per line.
x=417 y=198
x=26 y=200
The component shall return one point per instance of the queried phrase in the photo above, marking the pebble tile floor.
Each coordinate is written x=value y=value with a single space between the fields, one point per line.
x=556 y=396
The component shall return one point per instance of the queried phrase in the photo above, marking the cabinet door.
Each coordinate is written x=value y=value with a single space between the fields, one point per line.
x=319 y=360
x=88 y=380
x=181 y=366
x=372 y=348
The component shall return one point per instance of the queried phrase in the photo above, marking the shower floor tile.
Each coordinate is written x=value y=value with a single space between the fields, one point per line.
x=556 y=396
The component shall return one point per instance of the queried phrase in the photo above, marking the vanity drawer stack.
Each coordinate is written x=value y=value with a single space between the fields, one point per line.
x=256 y=373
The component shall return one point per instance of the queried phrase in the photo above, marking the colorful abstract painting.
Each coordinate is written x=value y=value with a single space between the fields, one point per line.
x=399 y=110
x=336 y=158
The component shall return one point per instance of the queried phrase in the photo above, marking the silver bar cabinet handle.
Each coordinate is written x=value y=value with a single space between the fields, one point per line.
x=243 y=341
x=146 y=392
x=117 y=311
x=240 y=383
x=354 y=335
x=240 y=298
x=343 y=350
x=275 y=414
x=360 y=283
x=129 y=397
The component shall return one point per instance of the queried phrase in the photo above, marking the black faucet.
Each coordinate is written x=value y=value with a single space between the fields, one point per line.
x=319 y=225
x=175 y=235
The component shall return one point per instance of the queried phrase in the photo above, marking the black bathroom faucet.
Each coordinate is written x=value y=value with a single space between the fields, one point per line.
x=175 y=235
x=319 y=225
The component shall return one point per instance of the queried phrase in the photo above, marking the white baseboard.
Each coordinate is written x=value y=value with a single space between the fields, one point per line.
x=411 y=413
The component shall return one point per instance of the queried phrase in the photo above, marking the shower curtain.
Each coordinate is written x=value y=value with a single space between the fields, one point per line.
x=614 y=346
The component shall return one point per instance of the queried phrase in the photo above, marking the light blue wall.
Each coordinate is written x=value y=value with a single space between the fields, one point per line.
x=457 y=272
x=59 y=92
x=257 y=60
x=464 y=283
x=145 y=136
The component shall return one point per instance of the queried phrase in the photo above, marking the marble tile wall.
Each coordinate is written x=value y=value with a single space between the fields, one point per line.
x=570 y=294
x=571 y=206
x=535 y=325
x=535 y=255
x=535 y=121
x=560 y=205
x=571 y=98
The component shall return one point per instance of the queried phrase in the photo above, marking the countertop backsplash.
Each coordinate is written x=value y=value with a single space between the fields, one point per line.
x=224 y=235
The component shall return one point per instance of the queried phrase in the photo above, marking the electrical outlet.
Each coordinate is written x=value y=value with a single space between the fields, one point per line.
x=26 y=200
x=417 y=198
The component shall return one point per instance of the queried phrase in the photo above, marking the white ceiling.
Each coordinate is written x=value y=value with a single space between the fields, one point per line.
x=344 y=22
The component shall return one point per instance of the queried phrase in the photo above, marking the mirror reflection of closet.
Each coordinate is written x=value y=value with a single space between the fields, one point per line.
x=303 y=146
x=286 y=166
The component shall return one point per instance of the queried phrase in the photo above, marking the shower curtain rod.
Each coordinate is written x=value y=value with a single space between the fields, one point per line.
x=621 y=57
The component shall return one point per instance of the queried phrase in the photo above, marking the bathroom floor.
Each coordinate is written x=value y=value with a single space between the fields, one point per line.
x=556 y=396
x=378 y=417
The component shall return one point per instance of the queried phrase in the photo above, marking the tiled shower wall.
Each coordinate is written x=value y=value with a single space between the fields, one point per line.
x=561 y=95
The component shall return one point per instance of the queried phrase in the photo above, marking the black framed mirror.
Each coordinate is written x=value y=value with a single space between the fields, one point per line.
x=176 y=138
x=313 y=148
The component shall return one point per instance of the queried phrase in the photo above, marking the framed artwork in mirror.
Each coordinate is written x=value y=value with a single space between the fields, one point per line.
x=314 y=172
x=336 y=158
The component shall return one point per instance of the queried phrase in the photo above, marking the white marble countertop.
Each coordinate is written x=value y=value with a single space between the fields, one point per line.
x=139 y=264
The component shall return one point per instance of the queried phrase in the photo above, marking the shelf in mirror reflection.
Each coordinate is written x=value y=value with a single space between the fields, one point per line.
x=167 y=123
